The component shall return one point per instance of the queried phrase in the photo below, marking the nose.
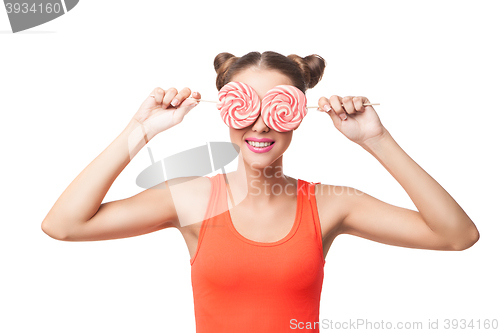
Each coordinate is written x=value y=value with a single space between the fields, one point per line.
x=260 y=126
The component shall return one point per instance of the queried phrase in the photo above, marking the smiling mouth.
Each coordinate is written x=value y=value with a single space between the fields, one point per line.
x=257 y=144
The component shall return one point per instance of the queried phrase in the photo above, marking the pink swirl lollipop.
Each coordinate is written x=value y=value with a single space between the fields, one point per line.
x=239 y=105
x=283 y=108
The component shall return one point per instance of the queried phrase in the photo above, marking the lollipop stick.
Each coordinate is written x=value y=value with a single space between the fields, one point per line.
x=309 y=107
x=202 y=100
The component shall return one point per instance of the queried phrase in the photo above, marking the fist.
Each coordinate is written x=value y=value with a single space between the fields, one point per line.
x=164 y=109
x=358 y=122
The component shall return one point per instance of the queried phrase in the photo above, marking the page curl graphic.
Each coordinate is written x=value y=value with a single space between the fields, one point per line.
x=26 y=14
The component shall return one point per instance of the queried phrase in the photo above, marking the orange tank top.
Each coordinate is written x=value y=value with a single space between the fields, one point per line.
x=240 y=285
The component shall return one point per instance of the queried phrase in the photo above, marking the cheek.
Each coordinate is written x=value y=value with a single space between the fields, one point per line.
x=287 y=137
x=236 y=136
x=285 y=140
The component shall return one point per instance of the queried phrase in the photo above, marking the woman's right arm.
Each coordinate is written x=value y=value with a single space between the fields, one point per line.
x=80 y=215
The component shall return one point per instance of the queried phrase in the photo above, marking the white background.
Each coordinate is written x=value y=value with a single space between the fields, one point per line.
x=69 y=87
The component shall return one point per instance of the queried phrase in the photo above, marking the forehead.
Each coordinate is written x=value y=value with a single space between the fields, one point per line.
x=261 y=80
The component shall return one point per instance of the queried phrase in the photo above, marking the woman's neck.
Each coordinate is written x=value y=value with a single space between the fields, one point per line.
x=259 y=185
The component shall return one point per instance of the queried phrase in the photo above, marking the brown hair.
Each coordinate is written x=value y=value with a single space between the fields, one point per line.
x=304 y=72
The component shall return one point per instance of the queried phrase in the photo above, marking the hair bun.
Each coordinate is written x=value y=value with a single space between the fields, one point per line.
x=304 y=72
x=312 y=68
x=222 y=63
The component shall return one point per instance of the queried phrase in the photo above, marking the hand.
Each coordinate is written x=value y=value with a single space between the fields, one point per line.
x=357 y=122
x=164 y=109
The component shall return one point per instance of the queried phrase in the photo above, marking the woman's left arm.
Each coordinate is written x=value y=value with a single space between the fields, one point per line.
x=440 y=223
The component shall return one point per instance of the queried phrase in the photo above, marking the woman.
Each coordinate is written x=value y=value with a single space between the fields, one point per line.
x=256 y=237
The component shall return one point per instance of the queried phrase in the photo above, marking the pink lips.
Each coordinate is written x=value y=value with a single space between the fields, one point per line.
x=257 y=149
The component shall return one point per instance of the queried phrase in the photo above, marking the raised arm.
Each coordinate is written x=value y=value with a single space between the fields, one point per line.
x=79 y=213
x=439 y=224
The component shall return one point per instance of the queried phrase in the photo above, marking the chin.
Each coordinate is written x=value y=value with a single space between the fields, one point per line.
x=258 y=165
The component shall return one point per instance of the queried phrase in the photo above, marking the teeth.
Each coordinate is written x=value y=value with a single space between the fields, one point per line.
x=259 y=144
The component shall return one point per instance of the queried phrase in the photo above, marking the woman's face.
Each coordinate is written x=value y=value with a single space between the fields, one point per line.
x=261 y=81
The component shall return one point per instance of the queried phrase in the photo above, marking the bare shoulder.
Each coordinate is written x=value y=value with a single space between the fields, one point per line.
x=333 y=202
x=190 y=196
x=193 y=184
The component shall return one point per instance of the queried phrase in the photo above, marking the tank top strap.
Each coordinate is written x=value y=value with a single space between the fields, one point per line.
x=215 y=202
x=220 y=200
x=215 y=208
x=310 y=211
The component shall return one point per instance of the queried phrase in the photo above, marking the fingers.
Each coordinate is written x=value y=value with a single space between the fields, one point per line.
x=163 y=97
x=348 y=105
x=185 y=106
x=158 y=94
x=343 y=106
x=358 y=103
x=324 y=104
x=333 y=106
x=336 y=102
x=180 y=97
x=168 y=98
x=171 y=97
x=196 y=95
